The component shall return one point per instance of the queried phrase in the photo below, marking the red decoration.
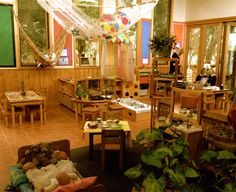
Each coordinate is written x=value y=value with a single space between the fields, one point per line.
x=125 y=21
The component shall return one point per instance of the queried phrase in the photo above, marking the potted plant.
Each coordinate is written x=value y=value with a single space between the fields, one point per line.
x=164 y=162
x=81 y=91
x=161 y=44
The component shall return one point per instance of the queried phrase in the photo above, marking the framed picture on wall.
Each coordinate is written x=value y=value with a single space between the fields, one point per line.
x=63 y=61
x=64 y=53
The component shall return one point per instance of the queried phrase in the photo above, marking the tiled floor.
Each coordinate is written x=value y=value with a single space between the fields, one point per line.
x=60 y=124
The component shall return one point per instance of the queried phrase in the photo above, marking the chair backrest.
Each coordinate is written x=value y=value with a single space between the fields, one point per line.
x=113 y=139
x=103 y=106
x=5 y=108
x=208 y=101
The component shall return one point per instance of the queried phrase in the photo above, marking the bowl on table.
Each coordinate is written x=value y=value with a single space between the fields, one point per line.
x=93 y=125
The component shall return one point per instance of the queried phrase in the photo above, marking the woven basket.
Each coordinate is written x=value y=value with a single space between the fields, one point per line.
x=224 y=138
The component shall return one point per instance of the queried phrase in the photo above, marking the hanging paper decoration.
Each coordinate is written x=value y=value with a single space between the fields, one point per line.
x=75 y=21
x=111 y=24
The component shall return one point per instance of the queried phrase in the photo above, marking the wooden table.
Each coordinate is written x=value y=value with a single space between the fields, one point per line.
x=78 y=103
x=98 y=131
x=15 y=99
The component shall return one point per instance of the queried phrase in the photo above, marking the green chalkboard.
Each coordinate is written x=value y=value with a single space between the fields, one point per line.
x=7 y=54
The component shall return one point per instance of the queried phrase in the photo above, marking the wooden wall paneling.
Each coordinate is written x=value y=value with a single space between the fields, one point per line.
x=3 y=82
x=42 y=80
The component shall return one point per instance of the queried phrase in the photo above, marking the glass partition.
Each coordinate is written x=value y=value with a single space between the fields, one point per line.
x=230 y=68
x=193 y=53
x=211 y=47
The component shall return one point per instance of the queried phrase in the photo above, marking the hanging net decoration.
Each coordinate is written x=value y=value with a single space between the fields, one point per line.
x=49 y=57
x=76 y=22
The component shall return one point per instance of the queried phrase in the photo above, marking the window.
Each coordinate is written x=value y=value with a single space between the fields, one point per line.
x=162 y=17
x=87 y=53
x=33 y=19
x=203 y=50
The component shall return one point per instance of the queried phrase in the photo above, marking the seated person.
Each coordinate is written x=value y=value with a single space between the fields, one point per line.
x=206 y=76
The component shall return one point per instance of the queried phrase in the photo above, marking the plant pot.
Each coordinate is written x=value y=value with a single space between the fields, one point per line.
x=84 y=98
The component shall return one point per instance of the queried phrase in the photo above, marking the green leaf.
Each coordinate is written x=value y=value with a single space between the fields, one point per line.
x=178 y=149
x=150 y=159
x=153 y=135
x=163 y=152
x=182 y=140
x=178 y=179
x=230 y=187
x=225 y=155
x=151 y=184
x=133 y=172
x=190 y=172
x=208 y=155
x=140 y=136
x=173 y=162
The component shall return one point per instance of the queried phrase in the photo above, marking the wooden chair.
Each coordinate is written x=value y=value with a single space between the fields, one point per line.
x=35 y=110
x=90 y=111
x=208 y=101
x=104 y=108
x=116 y=108
x=113 y=140
x=6 y=111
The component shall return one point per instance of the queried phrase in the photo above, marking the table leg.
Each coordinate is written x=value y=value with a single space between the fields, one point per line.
x=13 y=116
x=76 y=112
x=91 y=145
x=41 y=114
x=128 y=135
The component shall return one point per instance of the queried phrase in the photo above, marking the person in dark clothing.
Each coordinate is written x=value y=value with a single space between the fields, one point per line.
x=175 y=55
x=172 y=63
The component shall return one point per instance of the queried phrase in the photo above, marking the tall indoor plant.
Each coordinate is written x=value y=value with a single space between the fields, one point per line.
x=161 y=44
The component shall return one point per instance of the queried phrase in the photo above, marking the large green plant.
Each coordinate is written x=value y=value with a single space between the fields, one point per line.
x=161 y=44
x=164 y=163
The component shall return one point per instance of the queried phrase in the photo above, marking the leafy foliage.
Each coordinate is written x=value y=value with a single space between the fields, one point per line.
x=81 y=90
x=165 y=162
x=218 y=170
x=161 y=43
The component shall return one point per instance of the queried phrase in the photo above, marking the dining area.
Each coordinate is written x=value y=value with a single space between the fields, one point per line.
x=17 y=106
